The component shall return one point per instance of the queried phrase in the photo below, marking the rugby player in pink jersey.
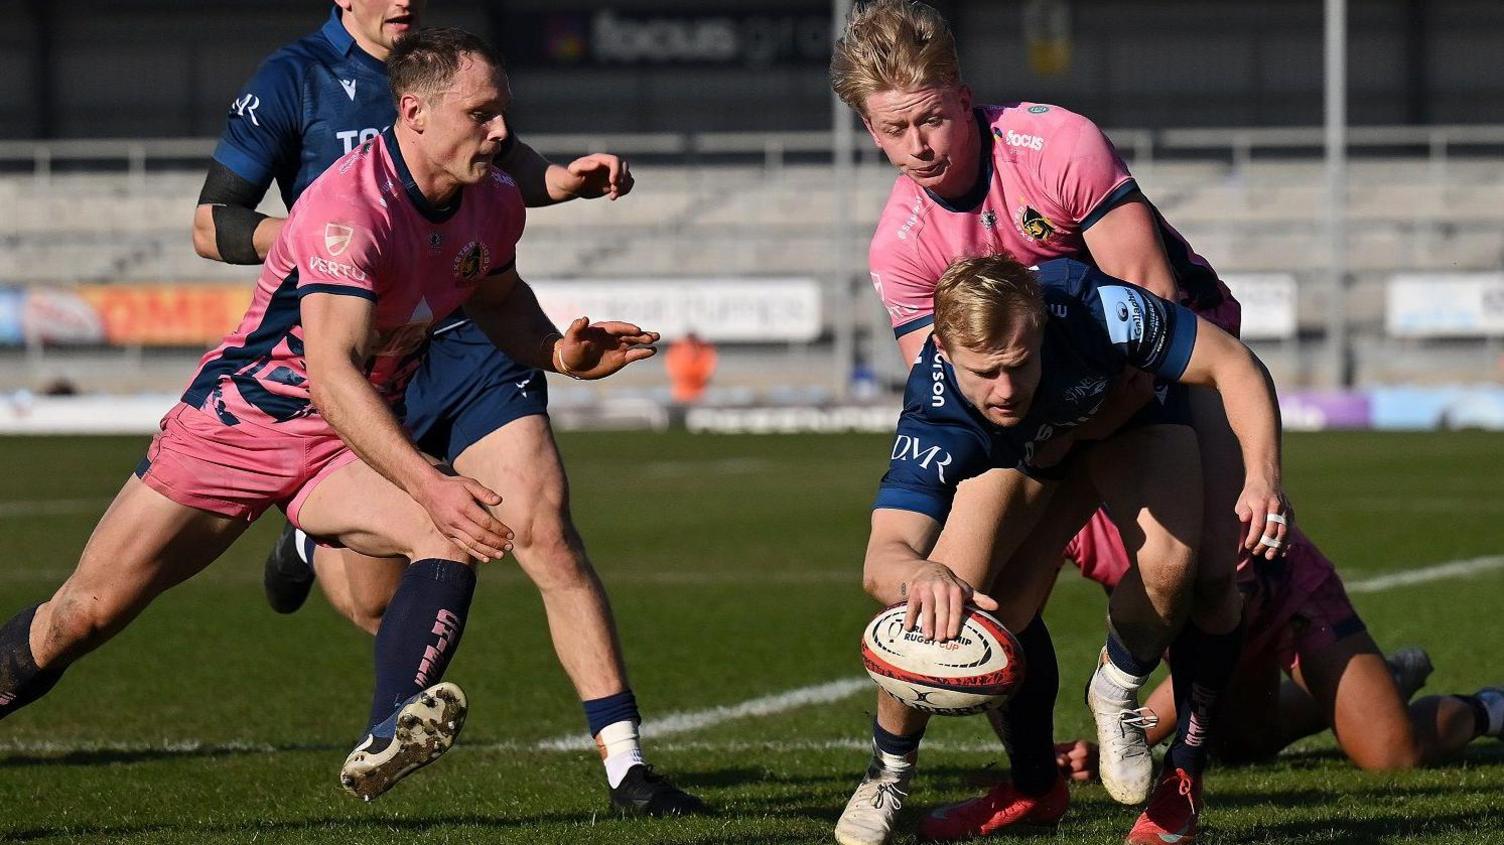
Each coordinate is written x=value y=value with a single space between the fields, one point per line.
x=1040 y=182
x=1299 y=621
x=292 y=409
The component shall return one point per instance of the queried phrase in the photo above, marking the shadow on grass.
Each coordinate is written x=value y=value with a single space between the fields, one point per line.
x=108 y=756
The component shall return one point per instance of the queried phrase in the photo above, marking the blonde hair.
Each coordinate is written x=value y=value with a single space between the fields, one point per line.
x=892 y=45
x=980 y=301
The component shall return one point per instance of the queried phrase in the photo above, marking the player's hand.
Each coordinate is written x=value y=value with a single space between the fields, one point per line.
x=599 y=175
x=1266 y=516
x=1077 y=760
x=458 y=507
x=937 y=601
x=596 y=350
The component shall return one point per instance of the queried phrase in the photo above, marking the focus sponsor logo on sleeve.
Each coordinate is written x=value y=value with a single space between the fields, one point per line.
x=1019 y=139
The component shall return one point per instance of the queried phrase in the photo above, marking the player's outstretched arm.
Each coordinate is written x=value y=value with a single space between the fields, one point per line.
x=507 y=310
x=896 y=571
x=1221 y=361
x=336 y=329
x=544 y=183
x=226 y=225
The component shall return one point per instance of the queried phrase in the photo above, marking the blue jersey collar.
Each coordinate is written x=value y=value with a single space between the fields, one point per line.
x=344 y=43
x=409 y=184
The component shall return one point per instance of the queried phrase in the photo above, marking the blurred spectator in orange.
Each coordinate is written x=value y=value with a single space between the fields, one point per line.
x=691 y=362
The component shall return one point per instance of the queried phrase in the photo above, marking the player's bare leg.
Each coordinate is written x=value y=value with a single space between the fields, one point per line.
x=357 y=586
x=1144 y=476
x=144 y=544
x=521 y=461
x=1374 y=726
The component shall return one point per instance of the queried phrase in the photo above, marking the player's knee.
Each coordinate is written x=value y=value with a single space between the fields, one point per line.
x=1395 y=755
x=1167 y=567
x=552 y=553
x=75 y=627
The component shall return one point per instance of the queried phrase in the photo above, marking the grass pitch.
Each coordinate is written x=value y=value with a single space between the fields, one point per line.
x=734 y=566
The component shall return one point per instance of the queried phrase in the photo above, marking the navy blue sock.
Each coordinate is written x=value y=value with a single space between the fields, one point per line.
x=1122 y=658
x=621 y=707
x=21 y=682
x=1201 y=666
x=420 y=631
x=1031 y=713
x=896 y=744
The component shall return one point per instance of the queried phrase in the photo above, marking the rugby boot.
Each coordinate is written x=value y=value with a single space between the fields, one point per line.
x=873 y=809
x=416 y=734
x=644 y=792
x=1410 y=668
x=1492 y=699
x=1000 y=808
x=1170 y=818
x=285 y=576
x=1124 y=764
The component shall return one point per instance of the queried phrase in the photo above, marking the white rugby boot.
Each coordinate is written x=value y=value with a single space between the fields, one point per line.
x=1126 y=765
x=416 y=734
x=873 y=809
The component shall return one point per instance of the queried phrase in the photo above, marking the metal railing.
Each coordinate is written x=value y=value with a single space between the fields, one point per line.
x=1143 y=146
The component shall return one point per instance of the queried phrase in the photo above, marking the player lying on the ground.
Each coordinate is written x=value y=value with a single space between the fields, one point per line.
x=1298 y=620
x=1038 y=182
x=1016 y=360
x=292 y=409
x=468 y=403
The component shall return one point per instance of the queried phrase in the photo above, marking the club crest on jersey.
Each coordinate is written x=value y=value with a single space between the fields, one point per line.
x=435 y=240
x=337 y=238
x=1035 y=225
x=472 y=262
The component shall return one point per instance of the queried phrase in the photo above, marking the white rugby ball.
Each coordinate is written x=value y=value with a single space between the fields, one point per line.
x=976 y=671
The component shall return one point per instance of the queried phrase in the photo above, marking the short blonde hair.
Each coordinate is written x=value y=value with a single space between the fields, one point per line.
x=979 y=302
x=892 y=45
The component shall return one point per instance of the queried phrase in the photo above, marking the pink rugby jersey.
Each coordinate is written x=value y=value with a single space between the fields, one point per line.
x=1047 y=175
x=361 y=229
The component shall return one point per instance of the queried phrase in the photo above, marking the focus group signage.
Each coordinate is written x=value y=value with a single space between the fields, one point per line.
x=615 y=38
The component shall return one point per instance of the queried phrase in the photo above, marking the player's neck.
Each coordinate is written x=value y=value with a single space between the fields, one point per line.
x=966 y=166
x=371 y=48
x=438 y=187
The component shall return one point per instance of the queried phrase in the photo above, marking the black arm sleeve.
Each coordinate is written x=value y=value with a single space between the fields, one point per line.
x=234 y=202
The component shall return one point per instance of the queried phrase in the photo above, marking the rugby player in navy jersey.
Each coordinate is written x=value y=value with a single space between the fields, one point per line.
x=307 y=105
x=1017 y=360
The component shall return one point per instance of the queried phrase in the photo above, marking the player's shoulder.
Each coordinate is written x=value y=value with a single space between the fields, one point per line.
x=501 y=187
x=357 y=188
x=1068 y=276
x=904 y=218
x=1034 y=118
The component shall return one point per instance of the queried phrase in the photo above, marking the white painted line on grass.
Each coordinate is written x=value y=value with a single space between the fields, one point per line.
x=694 y=720
x=1454 y=569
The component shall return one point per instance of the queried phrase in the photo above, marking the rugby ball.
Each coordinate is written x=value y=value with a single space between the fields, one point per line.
x=976 y=671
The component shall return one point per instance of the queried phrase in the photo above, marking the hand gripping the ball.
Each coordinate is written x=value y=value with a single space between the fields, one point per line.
x=937 y=600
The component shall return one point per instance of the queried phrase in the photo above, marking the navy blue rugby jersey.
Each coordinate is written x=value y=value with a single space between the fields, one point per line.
x=1097 y=325
x=307 y=105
